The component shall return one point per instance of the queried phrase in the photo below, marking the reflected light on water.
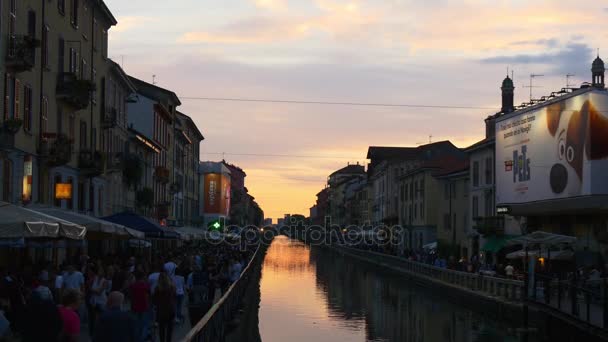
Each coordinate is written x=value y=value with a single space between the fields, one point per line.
x=318 y=295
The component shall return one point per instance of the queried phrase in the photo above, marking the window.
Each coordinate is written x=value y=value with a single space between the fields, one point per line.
x=412 y=191
x=10 y=90
x=72 y=127
x=465 y=222
x=489 y=171
x=45 y=47
x=83 y=135
x=475 y=173
x=31 y=23
x=61 y=60
x=475 y=207
x=446 y=191
x=27 y=108
x=104 y=44
x=84 y=71
x=61 y=6
x=44 y=114
x=454 y=221
x=446 y=221
x=94 y=79
x=466 y=188
x=415 y=210
x=95 y=34
x=488 y=204
x=73 y=61
x=422 y=188
x=12 y=27
x=422 y=210
x=74 y=13
x=453 y=192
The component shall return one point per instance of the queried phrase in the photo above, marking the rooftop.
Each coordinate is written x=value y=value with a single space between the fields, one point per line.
x=350 y=169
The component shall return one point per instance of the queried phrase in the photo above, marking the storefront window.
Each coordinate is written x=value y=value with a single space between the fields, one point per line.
x=27 y=179
x=57 y=180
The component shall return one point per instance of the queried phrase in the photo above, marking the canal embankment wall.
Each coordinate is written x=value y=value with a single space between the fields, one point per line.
x=545 y=324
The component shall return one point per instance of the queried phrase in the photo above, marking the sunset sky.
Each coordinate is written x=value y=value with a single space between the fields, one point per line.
x=435 y=52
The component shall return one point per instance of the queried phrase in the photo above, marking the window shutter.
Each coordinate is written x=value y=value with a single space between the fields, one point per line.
x=7 y=97
x=17 y=97
x=26 y=108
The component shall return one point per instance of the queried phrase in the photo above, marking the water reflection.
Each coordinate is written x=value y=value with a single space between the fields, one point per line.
x=317 y=295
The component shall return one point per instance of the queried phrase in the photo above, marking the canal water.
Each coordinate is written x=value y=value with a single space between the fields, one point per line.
x=312 y=294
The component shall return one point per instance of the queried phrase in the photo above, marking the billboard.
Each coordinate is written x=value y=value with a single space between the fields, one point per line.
x=556 y=151
x=217 y=194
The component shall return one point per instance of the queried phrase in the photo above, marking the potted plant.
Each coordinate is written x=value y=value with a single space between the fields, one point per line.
x=12 y=125
x=145 y=198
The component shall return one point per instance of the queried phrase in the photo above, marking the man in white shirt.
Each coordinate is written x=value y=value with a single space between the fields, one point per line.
x=509 y=270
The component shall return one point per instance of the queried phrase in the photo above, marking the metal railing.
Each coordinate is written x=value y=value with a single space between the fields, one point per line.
x=508 y=289
x=586 y=301
x=212 y=327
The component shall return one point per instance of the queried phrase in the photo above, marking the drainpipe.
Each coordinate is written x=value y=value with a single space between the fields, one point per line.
x=40 y=133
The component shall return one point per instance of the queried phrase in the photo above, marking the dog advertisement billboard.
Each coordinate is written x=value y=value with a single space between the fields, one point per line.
x=556 y=151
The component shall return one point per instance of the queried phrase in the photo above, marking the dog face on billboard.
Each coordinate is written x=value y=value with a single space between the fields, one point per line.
x=584 y=134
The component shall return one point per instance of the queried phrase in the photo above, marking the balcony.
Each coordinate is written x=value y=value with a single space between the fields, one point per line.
x=91 y=163
x=161 y=174
x=162 y=210
x=56 y=149
x=21 y=53
x=491 y=225
x=110 y=120
x=73 y=92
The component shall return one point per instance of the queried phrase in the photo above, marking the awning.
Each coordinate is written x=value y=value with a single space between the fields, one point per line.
x=430 y=246
x=191 y=233
x=544 y=239
x=496 y=243
x=139 y=243
x=92 y=224
x=139 y=223
x=18 y=222
x=554 y=255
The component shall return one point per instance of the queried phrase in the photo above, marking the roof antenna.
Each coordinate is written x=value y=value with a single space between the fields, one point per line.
x=532 y=77
x=153 y=79
x=568 y=79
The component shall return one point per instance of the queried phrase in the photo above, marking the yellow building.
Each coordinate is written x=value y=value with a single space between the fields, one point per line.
x=53 y=58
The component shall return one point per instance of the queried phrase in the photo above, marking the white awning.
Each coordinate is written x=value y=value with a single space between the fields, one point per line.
x=19 y=222
x=93 y=224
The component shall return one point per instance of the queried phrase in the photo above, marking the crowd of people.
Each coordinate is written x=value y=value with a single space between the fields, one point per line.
x=117 y=298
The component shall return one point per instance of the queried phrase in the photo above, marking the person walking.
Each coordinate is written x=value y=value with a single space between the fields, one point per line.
x=164 y=300
x=68 y=311
x=114 y=324
x=179 y=283
x=98 y=297
x=140 y=304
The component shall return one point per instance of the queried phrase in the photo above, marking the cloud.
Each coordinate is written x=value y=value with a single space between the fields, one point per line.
x=550 y=43
x=564 y=60
x=274 y=5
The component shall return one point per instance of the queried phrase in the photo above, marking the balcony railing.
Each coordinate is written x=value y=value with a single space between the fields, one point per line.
x=21 y=53
x=161 y=173
x=162 y=210
x=110 y=119
x=91 y=163
x=7 y=140
x=74 y=92
x=491 y=225
x=56 y=149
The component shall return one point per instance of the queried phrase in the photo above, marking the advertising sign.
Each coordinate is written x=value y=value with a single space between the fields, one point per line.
x=556 y=151
x=212 y=188
x=217 y=194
